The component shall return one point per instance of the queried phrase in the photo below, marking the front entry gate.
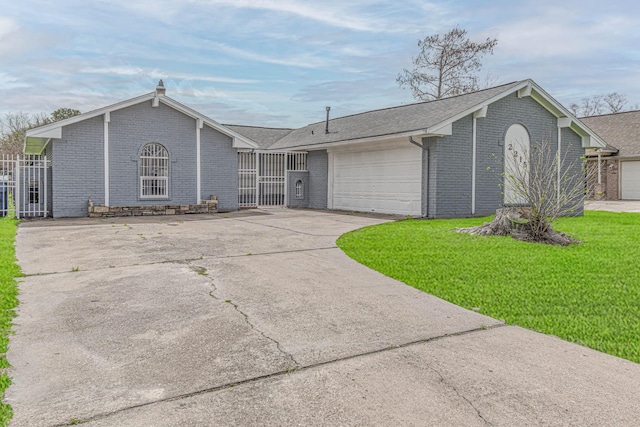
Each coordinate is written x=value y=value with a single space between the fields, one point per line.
x=262 y=176
x=24 y=185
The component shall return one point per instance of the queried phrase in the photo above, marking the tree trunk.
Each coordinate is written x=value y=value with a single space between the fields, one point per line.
x=516 y=222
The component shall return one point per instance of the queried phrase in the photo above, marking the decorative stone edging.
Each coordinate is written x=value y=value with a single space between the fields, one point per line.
x=101 y=211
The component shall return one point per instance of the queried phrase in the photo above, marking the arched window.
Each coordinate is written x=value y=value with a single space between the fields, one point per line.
x=154 y=172
x=299 y=189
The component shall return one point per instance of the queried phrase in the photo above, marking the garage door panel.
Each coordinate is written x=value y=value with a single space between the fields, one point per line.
x=630 y=180
x=386 y=181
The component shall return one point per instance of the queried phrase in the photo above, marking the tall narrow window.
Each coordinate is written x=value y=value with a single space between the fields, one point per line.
x=154 y=172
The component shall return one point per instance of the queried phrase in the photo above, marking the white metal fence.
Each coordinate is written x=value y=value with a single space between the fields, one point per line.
x=24 y=183
x=262 y=176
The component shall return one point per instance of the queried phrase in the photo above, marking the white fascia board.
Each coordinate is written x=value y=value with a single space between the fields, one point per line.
x=372 y=146
x=482 y=105
x=47 y=133
x=557 y=109
x=90 y=114
x=324 y=145
x=239 y=141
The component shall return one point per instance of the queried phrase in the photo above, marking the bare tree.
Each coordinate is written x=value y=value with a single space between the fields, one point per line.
x=446 y=65
x=600 y=104
x=14 y=126
x=549 y=187
x=615 y=102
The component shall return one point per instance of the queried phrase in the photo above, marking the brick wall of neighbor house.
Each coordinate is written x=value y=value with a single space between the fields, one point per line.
x=611 y=179
x=317 y=165
x=292 y=178
x=78 y=174
x=133 y=127
x=219 y=168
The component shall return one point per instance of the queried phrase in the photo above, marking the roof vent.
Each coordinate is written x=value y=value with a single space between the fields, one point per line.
x=326 y=128
x=160 y=89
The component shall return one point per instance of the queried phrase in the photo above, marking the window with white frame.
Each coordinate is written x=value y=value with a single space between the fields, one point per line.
x=299 y=189
x=154 y=172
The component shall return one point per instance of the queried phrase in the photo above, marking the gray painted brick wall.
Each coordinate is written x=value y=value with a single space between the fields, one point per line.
x=131 y=129
x=318 y=166
x=572 y=144
x=292 y=178
x=450 y=156
x=219 y=168
x=452 y=183
x=78 y=171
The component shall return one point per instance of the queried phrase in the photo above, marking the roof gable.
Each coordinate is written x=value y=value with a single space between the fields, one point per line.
x=432 y=118
x=37 y=138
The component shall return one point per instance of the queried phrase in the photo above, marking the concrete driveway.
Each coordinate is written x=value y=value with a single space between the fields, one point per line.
x=257 y=318
x=613 y=205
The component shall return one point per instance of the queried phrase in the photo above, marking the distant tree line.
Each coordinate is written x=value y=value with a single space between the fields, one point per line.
x=14 y=126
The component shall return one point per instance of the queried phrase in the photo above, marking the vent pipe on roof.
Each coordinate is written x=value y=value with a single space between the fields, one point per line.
x=326 y=128
x=160 y=89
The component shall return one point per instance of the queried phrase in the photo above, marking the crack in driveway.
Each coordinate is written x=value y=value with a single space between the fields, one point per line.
x=300 y=368
x=202 y=271
x=460 y=395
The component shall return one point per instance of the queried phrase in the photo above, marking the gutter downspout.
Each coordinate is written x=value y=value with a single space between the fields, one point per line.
x=426 y=178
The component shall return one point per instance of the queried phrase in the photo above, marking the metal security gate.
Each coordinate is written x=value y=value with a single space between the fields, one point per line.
x=262 y=176
x=24 y=185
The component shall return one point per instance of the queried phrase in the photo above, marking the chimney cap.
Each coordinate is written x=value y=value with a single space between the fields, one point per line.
x=160 y=89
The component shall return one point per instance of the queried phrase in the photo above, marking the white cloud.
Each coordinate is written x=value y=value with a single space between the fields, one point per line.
x=8 y=81
x=7 y=25
x=118 y=71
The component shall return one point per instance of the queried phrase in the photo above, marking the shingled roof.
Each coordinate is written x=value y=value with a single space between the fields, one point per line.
x=265 y=137
x=620 y=130
x=388 y=121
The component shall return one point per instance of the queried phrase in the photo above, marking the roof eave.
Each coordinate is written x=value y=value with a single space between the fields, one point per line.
x=321 y=145
x=35 y=139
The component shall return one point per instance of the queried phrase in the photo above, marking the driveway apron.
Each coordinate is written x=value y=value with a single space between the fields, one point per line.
x=257 y=318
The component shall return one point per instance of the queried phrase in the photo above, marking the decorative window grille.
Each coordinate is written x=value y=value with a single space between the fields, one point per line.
x=154 y=172
x=299 y=189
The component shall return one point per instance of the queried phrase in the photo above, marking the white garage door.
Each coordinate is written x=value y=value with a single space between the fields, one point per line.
x=385 y=181
x=630 y=180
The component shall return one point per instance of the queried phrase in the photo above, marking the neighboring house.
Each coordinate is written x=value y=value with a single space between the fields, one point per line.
x=619 y=174
x=433 y=159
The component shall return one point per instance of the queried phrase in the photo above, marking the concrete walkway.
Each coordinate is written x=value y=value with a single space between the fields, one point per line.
x=257 y=318
x=613 y=205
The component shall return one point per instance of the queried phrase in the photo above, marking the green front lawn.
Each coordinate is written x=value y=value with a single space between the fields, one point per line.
x=8 y=300
x=587 y=293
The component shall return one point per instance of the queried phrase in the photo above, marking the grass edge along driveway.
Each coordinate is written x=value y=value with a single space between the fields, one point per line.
x=587 y=293
x=9 y=270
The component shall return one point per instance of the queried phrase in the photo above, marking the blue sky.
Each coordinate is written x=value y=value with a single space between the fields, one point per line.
x=280 y=62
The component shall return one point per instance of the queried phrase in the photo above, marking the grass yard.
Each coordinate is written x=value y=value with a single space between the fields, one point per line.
x=587 y=293
x=8 y=300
